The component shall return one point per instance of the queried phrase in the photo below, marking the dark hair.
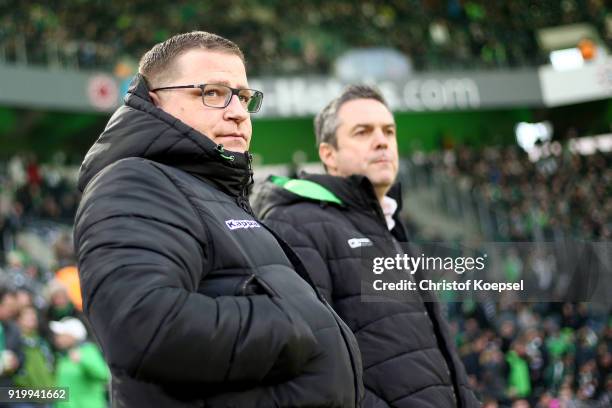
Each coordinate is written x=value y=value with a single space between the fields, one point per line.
x=5 y=290
x=326 y=122
x=157 y=64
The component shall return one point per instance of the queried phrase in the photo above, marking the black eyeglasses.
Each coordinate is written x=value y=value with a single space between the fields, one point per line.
x=219 y=96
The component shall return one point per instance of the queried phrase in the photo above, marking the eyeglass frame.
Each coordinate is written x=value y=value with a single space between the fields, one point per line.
x=235 y=91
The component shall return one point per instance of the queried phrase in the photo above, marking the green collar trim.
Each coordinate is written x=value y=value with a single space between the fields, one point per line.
x=306 y=188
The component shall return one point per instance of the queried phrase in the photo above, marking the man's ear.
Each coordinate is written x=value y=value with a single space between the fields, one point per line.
x=155 y=98
x=327 y=154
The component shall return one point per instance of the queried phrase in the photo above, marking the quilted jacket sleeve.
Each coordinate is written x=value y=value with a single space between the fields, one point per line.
x=142 y=252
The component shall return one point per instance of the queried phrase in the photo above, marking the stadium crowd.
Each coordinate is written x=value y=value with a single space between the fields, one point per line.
x=44 y=340
x=290 y=37
x=29 y=193
x=514 y=199
x=543 y=354
x=540 y=355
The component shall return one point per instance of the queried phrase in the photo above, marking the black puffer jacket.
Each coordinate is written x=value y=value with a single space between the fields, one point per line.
x=408 y=355
x=194 y=302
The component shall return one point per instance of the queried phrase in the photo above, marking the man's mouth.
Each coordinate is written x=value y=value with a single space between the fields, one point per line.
x=234 y=135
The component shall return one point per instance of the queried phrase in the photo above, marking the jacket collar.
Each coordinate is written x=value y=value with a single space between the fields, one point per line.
x=355 y=191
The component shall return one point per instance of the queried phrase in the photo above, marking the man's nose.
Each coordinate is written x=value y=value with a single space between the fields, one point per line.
x=235 y=110
x=380 y=139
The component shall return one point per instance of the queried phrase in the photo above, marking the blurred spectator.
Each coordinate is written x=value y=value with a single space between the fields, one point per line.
x=521 y=403
x=494 y=371
x=80 y=365
x=64 y=250
x=605 y=400
x=11 y=353
x=519 y=383
x=37 y=370
x=59 y=303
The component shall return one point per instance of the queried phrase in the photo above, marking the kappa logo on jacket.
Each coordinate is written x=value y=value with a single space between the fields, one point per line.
x=359 y=242
x=237 y=224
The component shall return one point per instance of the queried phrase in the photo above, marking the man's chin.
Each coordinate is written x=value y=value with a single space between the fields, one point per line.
x=383 y=176
x=232 y=145
x=384 y=181
x=237 y=149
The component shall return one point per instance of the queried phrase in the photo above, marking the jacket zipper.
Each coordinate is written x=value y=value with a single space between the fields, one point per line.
x=242 y=200
x=377 y=211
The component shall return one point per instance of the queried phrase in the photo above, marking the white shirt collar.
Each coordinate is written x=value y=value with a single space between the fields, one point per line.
x=389 y=206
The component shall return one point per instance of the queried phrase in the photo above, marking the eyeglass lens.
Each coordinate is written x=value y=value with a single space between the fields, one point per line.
x=219 y=96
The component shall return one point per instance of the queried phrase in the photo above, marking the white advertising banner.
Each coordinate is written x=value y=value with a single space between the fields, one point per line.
x=591 y=82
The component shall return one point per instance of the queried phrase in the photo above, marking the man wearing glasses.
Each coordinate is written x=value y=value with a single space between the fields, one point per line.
x=193 y=300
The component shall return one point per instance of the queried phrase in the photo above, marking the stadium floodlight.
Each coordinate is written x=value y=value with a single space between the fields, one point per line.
x=567 y=59
x=527 y=134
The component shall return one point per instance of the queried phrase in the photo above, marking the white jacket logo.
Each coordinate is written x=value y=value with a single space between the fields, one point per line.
x=236 y=224
x=359 y=242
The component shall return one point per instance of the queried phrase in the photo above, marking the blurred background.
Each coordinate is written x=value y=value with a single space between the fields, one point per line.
x=504 y=118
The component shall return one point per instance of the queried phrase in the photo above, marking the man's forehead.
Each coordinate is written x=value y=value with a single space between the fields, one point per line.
x=365 y=112
x=205 y=66
x=221 y=80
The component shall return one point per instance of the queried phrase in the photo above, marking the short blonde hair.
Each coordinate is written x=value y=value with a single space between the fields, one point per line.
x=157 y=64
